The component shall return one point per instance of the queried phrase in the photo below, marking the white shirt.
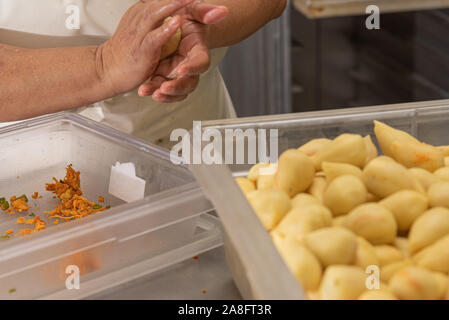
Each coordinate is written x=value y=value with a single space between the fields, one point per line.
x=42 y=24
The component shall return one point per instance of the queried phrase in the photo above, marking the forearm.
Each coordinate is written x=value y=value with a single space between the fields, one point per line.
x=245 y=18
x=41 y=81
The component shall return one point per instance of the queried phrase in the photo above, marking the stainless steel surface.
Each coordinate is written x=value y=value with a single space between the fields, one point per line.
x=186 y=280
x=250 y=252
x=257 y=71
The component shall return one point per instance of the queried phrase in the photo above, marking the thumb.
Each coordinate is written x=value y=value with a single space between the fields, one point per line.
x=157 y=38
x=207 y=13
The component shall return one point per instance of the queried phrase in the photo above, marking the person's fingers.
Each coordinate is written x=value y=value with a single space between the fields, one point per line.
x=147 y=89
x=160 y=97
x=207 y=13
x=157 y=11
x=157 y=38
x=198 y=62
x=144 y=90
x=180 y=87
x=168 y=67
x=131 y=14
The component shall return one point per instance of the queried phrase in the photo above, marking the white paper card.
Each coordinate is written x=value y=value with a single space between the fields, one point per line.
x=124 y=184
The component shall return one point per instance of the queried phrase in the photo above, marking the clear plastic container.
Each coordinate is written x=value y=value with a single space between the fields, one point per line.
x=332 y=8
x=112 y=247
x=256 y=265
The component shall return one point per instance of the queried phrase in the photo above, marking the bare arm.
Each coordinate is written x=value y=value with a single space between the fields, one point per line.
x=40 y=81
x=245 y=18
x=36 y=82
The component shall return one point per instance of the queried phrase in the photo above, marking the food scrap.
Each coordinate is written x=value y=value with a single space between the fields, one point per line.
x=74 y=208
x=69 y=187
x=19 y=204
x=38 y=225
x=72 y=204
x=25 y=232
x=12 y=290
x=4 y=205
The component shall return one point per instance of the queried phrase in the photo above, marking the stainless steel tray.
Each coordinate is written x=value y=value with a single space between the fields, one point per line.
x=257 y=267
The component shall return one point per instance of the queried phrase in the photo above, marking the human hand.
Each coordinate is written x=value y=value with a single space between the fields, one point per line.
x=179 y=75
x=132 y=55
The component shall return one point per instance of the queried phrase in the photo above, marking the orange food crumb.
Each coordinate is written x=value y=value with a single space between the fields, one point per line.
x=67 y=188
x=19 y=204
x=38 y=226
x=75 y=208
x=195 y=257
x=100 y=199
x=25 y=232
x=8 y=232
x=204 y=291
x=72 y=205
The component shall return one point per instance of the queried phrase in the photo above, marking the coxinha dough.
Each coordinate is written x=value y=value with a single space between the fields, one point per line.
x=173 y=44
x=334 y=208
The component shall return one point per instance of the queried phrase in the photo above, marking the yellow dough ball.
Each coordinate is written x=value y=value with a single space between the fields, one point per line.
x=270 y=205
x=344 y=194
x=413 y=283
x=406 y=206
x=428 y=228
x=342 y=283
x=332 y=245
x=173 y=44
x=372 y=222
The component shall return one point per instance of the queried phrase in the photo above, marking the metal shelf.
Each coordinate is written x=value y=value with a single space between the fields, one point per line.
x=334 y=8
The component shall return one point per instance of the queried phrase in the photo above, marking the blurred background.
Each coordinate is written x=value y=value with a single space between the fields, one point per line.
x=320 y=55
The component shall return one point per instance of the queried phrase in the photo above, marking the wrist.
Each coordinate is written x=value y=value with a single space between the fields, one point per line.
x=103 y=74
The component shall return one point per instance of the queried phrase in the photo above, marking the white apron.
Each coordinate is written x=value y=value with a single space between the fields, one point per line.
x=42 y=24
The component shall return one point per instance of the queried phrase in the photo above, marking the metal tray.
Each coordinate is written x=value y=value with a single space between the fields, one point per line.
x=253 y=260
